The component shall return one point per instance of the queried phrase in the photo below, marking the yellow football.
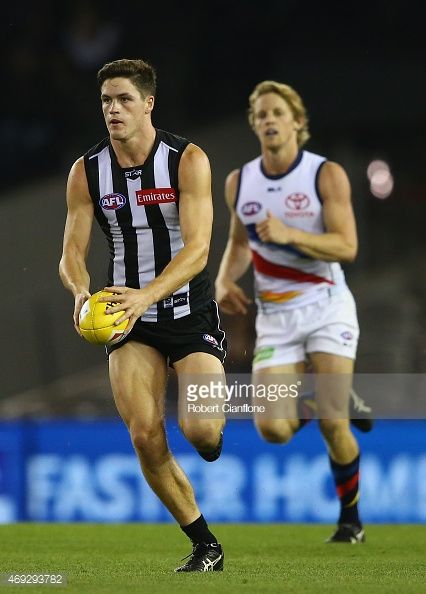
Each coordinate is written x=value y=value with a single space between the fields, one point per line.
x=96 y=325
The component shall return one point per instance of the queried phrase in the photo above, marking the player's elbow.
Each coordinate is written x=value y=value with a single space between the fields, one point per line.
x=201 y=256
x=347 y=248
x=351 y=258
x=349 y=253
x=204 y=256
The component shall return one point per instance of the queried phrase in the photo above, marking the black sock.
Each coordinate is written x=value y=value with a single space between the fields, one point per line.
x=346 y=478
x=198 y=531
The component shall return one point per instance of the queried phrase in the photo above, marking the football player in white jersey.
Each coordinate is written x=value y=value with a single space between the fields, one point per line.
x=292 y=219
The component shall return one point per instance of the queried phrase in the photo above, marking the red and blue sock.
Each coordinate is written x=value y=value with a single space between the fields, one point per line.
x=346 y=478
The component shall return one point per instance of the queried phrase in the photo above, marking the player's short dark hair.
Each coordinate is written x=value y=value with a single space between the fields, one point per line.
x=142 y=74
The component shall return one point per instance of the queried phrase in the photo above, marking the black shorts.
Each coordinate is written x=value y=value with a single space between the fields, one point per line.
x=198 y=332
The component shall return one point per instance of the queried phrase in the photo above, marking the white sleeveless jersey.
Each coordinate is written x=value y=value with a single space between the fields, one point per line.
x=285 y=277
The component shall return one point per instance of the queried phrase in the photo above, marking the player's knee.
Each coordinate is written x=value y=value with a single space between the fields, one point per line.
x=149 y=441
x=275 y=432
x=203 y=434
x=333 y=429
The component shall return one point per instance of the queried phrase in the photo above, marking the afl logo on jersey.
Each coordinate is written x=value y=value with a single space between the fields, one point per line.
x=251 y=208
x=112 y=201
x=297 y=201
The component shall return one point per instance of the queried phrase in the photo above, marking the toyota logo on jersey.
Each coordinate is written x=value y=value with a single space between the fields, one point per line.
x=112 y=201
x=297 y=201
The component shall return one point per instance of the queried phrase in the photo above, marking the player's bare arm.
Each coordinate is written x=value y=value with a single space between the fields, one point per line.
x=195 y=217
x=236 y=258
x=72 y=267
x=339 y=242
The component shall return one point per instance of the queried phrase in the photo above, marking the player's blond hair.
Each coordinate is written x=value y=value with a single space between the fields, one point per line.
x=292 y=98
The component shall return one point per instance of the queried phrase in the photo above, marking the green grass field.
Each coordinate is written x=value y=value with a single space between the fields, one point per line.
x=115 y=559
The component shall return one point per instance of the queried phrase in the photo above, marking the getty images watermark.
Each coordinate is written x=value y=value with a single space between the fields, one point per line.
x=237 y=397
x=292 y=396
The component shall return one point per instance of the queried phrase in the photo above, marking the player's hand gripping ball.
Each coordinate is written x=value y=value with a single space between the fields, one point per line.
x=98 y=327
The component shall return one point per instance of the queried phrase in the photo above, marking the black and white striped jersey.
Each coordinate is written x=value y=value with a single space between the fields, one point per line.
x=138 y=210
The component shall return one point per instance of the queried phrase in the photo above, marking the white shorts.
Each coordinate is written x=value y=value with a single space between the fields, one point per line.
x=329 y=325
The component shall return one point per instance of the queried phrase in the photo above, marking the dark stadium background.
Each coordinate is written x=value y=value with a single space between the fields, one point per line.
x=360 y=68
